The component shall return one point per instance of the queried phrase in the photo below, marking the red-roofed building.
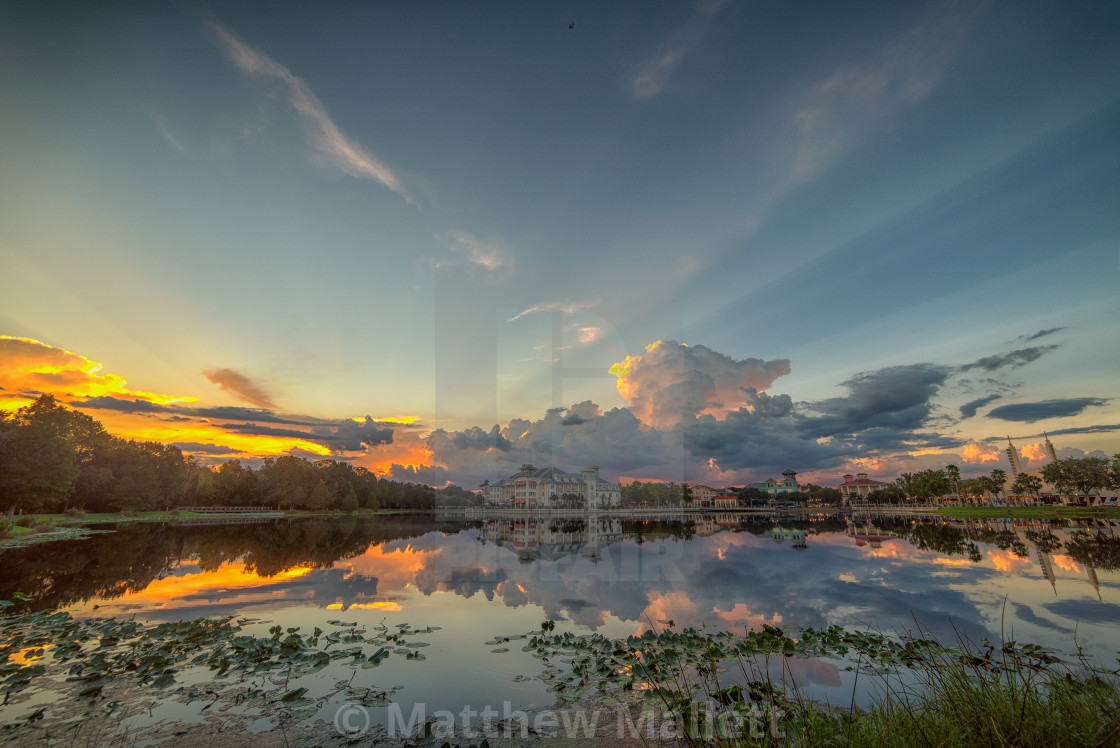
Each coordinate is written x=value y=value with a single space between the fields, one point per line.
x=860 y=485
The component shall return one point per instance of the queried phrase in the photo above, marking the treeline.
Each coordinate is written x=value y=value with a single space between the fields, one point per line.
x=53 y=458
x=654 y=494
x=756 y=496
x=1071 y=476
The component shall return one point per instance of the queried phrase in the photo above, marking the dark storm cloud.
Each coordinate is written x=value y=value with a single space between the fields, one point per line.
x=344 y=435
x=347 y=435
x=968 y=410
x=204 y=448
x=253 y=429
x=1098 y=429
x=428 y=475
x=108 y=402
x=231 y=412
x=1042 y=334
x=1025 y=613
x=1085 y=609
x=352 y=435
x=477 y=439
x=897 y=397
x=1011 y=359
x=1042 y=410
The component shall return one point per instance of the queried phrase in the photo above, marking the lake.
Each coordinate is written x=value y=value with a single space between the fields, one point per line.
x=1053 y=583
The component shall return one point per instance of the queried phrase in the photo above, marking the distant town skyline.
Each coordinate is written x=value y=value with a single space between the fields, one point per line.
x=705 y=242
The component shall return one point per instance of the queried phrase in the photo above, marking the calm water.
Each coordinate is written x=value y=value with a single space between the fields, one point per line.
x=479 y=580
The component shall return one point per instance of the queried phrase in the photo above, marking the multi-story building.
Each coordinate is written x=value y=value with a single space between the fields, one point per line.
x=788 y=484
x=549 y=486
x=859 y=485
x=702 y=495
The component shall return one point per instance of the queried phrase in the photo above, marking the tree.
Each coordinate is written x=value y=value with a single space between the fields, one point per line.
x=1027 y=484
x=1079 y=476
x=954 y=474
x=686 y=493
x=38 y=467
x=998 y=480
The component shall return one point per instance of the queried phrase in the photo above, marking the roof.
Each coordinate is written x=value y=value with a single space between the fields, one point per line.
x=549 y=475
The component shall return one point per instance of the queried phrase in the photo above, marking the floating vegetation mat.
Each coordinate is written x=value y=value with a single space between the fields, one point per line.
x=82 y=680
x=732 y=689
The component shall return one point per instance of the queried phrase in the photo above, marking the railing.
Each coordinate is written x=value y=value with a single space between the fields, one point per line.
x=227 y=509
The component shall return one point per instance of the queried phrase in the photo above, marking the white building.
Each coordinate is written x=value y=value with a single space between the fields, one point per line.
x=548 y=486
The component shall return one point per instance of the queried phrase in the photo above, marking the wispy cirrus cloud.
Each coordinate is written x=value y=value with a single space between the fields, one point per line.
x=240 y=386
x=842 y=109
x=323 y=135
x=489 y=255
x=567 y=307
x=654 y=72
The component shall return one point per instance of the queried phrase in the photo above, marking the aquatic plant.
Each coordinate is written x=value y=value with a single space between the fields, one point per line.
x=201 y=659
x=736 y=689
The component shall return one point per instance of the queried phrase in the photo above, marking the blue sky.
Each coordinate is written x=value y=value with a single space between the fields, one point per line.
x=411 y=210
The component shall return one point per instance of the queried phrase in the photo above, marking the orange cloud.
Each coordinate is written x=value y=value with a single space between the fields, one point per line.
x=31 y=368
x=979 y=453
x=1033 y=452
x=228 y=581
x=408 y=448
x=240 y=386
x=1063 y=561
x=1007 y=561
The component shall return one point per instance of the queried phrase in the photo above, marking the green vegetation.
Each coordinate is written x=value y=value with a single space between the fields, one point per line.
x=1028 y=512
x=57 y=460
x=1085 y=476
x=729 y=689
x=654 y=494
x=93 y=660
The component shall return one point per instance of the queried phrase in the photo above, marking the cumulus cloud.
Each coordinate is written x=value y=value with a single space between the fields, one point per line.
x=1012 y=359
x=239 y=385
x=1044 y=409
x=883 y=413
x=977 y=453
x=672 y=381
x=323 y=135
x=968 y=410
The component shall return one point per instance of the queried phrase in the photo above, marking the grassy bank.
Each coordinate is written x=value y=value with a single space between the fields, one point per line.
x=41 y=528
x=1030 y=512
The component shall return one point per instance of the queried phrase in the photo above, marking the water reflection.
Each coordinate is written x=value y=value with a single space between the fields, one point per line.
x=1031 y=581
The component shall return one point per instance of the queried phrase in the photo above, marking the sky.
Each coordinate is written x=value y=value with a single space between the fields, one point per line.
x=704 y=241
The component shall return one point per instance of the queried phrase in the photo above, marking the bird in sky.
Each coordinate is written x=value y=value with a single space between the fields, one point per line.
x=571 y=26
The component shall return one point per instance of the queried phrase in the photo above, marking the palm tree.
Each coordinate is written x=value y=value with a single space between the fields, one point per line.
x=1025 y=483
x=954 y=474
x=998 y=480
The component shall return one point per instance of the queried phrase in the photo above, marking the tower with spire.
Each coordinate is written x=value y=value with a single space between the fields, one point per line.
x=1050 y=448
x=1013 y=458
